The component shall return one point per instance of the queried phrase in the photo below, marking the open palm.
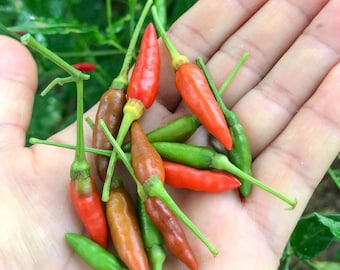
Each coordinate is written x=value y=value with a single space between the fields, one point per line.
x=286 y=96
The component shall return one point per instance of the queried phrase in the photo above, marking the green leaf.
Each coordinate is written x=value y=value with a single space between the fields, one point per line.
x=310 y=237
x=332 y=222
x=335 y=175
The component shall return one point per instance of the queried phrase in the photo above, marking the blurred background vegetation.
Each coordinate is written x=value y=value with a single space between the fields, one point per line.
x=99 y=32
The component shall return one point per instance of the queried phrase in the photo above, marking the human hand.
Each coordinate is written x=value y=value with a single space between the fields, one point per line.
x=285 y=96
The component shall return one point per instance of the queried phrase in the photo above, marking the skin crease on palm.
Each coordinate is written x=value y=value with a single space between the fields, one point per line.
x=286 y=96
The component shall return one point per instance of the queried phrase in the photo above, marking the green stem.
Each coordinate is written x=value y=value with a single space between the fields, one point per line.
x=97 y=151
x=108 y=12
x=123 y=158
x=121 y=80
x=161 y=11
x=221 y=162
x=80 y=167
x=233 y=72
x=177 y=59
x=30 y=41
x=56 y=81
x=154 y=187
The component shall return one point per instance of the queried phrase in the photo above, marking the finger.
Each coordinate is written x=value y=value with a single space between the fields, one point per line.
x=200 y=32
x=18 y=82
x=266 y=36
x=292 y=80
x=296 y=161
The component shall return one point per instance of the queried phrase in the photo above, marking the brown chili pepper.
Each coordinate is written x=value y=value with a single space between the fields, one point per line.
x=171 y=230
x=110 y=109
x=125 y=233
x=145 y=159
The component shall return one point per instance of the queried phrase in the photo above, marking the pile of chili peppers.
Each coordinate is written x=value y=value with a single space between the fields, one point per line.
x=156 y=159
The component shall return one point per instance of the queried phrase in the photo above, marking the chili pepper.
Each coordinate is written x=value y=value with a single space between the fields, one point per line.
x=93 y=254
x=203 y=157
x=152 y=237
x=195 y=91
x=110 y=109
x=182 y=176
x=85 y=66
x=240 y=153
x=112 y=101
x=141 y=91
x=171 y=230
x=84 y=195
x=125 y=233
x=87 y=204
x=177 y=130
x=149 y=170
x=145 y=159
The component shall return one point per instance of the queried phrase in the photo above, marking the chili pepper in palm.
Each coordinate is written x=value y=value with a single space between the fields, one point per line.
x=195 y=91
x=141 y=91
x=110 y=109
x=203 y=157
x=85 y=66
x=182 y=176
x=171 y=230
x=240 y=153
x=93 y=254
x=152 y=237
x=148 y=169
x=125 y=233
x=177 y=130
x=83 y=191
x=111 y=103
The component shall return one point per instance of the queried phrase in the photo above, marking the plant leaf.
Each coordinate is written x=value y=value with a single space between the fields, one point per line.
x=332 y=222
x=310 y=237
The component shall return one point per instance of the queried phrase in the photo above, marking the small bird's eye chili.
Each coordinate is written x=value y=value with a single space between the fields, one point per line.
x=125 y=233
x=87 y=204
x=145 y=159
x=110 y=109
x=93 y=254
x=195 y=91
x=181 y=176
x=171 y=230
x=141 y=92
x=85 y=66
x=112 y=101
x=83 y=192
x=152 y=237
x=240 y=153
x=177 y=130
x=205 y=158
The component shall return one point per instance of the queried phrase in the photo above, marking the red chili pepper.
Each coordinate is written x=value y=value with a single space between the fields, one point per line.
x=141 y=92
x=195 y=91
x=143 y=84
x=181 y=176
x=171 y=230
x=85 y=66
x=87 y=203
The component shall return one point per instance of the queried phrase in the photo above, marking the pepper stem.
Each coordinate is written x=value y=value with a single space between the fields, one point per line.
x=177 y=59
x=221 y=162
x=121 y=81
x=154 y=187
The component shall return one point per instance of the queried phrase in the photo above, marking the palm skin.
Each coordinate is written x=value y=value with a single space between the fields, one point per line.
x=286 y=96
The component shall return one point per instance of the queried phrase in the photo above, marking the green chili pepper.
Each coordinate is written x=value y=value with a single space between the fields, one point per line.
x=205 y=158
x=240 y=154
x=152 y=237
x=93 y=254
x=177 y=130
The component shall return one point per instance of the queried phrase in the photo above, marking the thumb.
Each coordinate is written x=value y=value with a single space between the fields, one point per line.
x=18 y=82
